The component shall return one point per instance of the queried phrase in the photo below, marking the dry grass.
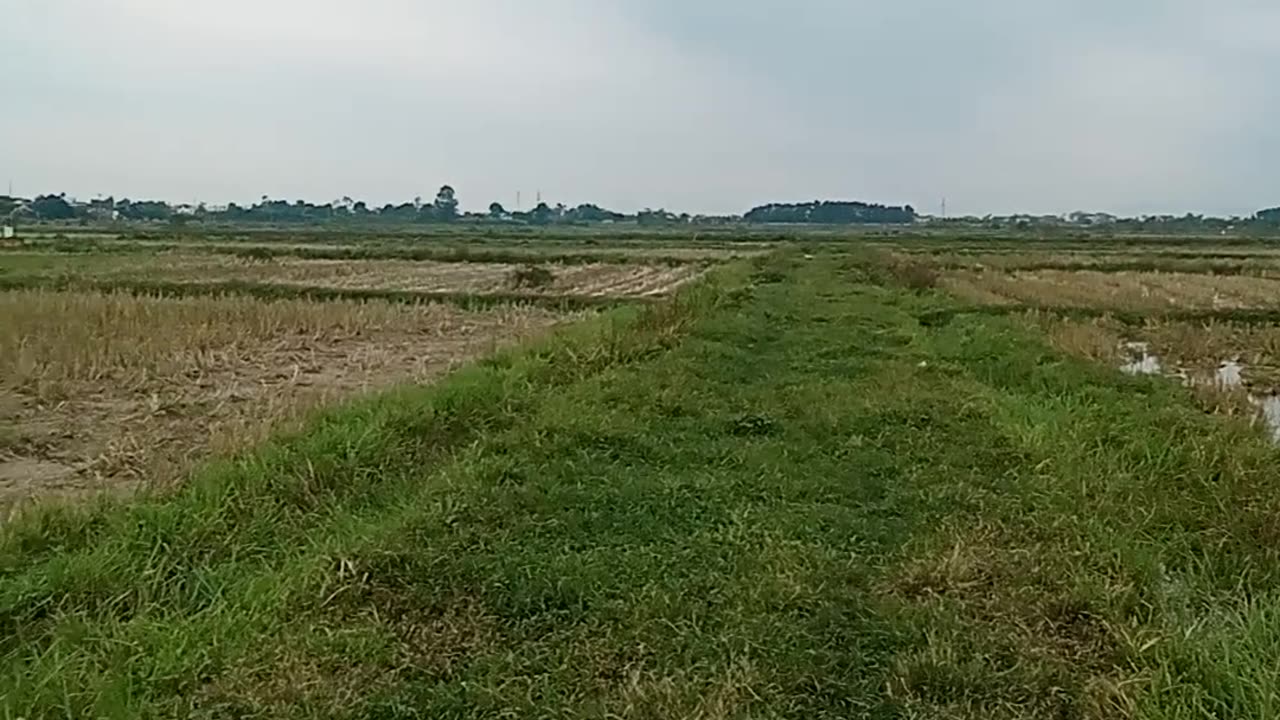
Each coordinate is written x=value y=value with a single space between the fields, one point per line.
x=98 y=391
x=1116 y=291
x=594 y=279
x=1198 y=262
x=1195 y=347
x=1099 y=339
x=1189 y=352
x=534 y=251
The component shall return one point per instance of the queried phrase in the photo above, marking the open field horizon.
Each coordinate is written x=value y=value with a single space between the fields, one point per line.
x=858 y=475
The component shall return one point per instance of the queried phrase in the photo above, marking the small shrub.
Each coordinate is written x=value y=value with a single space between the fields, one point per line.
x=531 y=276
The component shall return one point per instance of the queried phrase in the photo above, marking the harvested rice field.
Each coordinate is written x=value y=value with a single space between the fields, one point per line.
x=593 y=280
x=1145 y=292
x=103 y=391
x=1202 y=262
x=521 y=251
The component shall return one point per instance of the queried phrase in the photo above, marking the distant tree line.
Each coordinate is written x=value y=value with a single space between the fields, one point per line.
x=544 y=214
x=445 y=209
x=832 y=213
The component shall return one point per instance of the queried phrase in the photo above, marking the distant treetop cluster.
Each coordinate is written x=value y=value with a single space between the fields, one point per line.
x=445 y=209
x=832 y=213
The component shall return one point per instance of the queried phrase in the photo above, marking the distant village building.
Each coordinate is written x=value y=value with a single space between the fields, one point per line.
x=1083 y=218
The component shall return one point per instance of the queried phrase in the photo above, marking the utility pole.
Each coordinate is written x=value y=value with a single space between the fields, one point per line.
x=944 y=208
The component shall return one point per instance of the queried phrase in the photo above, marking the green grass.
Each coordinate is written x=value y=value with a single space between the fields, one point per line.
x=779 y=495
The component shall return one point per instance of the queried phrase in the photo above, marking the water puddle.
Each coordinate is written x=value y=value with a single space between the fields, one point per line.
x=1270 y=414
x=1229 y=376
x=1145 y=363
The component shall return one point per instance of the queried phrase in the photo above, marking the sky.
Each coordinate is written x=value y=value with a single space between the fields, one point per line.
x=704 y=106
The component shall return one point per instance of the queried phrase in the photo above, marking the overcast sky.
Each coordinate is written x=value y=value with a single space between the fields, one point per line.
x=1129 y=106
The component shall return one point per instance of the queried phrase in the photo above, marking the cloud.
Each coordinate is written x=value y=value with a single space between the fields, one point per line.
x=707 y=106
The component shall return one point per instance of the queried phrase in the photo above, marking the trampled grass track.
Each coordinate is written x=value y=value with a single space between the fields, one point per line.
x=778 y=497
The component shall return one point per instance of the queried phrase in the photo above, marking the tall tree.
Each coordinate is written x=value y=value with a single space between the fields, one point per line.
x=52 y=207
x=446 y=205
x=541 y=215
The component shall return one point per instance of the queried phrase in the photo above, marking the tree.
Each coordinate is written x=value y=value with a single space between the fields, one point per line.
x=446 y=205
x=1271 y=215
x=496 y=211
x=404 y=212
x=541 y=215
x=52 y=207
x=9 y=205
x=592 y=213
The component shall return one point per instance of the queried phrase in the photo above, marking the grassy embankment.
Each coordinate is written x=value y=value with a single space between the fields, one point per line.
x=784 y=498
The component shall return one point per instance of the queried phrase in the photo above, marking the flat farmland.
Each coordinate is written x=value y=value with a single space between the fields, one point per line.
x=631 y=280
x=833 y=481
x=1217 y=262
x=108 y=391
x=1119 y=291
x=504 y=248
x=1196 y=315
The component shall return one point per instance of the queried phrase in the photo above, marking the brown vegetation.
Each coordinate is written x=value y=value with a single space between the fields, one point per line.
x=99 y=391
x=622 y=280
x=1116 y=291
